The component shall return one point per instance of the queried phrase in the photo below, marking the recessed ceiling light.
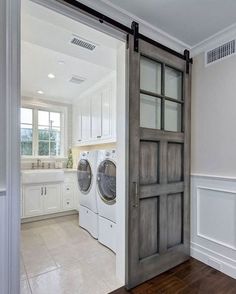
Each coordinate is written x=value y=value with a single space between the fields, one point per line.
x=40 y=92
x=51 y=76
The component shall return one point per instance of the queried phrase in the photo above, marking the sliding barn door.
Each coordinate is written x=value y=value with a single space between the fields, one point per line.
x=159 y=162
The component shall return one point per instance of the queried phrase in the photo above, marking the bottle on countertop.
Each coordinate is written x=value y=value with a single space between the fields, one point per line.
x=70 y=159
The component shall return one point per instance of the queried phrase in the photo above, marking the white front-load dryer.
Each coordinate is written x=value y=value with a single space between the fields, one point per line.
x=86 y=172
x=106 y=197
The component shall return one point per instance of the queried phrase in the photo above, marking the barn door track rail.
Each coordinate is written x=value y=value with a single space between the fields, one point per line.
x=134 y=30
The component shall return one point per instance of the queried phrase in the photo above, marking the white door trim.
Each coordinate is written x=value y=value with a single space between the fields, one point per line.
x=10 y=96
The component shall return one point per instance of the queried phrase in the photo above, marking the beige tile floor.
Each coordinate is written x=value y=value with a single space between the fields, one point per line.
x=57 y=256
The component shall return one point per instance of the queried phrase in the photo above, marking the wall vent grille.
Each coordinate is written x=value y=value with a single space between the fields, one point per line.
x=220 y=52
x=83 y=43
x=76 y=80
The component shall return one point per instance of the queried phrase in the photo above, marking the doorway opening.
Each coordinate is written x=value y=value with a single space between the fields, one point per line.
x=73 y=153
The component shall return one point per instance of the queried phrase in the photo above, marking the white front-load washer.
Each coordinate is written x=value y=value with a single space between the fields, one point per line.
x=86 y=172
x=106 y=197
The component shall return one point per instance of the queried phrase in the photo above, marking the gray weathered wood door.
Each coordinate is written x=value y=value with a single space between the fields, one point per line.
x=159 y=163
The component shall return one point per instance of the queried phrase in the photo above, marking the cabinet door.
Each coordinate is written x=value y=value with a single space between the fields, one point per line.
x=106 y=112
x=68 y=196
x=77 y=125
x=52 y=198
x=85 y=119
x=33 y=200
x=96 y=113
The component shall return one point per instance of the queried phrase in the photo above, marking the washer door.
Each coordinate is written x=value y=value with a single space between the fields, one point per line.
x=106 y=181
x=84 y=173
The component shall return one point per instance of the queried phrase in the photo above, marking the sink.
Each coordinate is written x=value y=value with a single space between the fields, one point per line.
x=42 y=176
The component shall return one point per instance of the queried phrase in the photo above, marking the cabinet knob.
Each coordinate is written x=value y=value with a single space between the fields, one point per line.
x=67 y=189
x=67 y=202
x=99 y=137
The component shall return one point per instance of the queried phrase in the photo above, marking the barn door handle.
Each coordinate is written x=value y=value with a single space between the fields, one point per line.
x=136 y=196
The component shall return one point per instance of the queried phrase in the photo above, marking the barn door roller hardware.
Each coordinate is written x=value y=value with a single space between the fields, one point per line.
x=134 y=30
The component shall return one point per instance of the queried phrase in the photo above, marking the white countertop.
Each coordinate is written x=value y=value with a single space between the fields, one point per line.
x=70 y=170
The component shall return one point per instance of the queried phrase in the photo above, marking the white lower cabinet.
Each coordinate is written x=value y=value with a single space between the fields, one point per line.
x=33 y=199
x=41 y=199
x=68 y=202
x=50 y=198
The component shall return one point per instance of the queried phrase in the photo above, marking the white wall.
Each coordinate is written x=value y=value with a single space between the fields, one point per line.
x=214 y=163
x=213 y=117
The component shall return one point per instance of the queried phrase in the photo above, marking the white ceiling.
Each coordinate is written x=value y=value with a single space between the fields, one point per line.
x=190 y=21
x=46 y=39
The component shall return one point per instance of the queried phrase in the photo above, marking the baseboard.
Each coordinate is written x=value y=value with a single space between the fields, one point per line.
x=213 y=259
x=48 y=216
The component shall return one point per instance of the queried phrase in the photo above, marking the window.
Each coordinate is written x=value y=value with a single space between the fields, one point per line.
x=41 y=132
x=26 y=131
x=161 y=96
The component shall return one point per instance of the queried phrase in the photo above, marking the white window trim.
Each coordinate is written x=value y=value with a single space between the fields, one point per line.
x=38 y=105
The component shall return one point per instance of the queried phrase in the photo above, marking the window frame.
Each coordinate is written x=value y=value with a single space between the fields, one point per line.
x=63 y=110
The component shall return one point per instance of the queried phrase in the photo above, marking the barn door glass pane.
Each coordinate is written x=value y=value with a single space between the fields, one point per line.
x=173 y=83
x=150 y=112
x=150 y=75
x=173 y=116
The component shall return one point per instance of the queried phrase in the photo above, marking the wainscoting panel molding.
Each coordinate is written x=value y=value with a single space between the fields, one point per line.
x=213 y=222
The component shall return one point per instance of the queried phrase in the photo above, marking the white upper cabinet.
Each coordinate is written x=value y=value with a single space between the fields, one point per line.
x=77 y=125
x=85 y=119
x=96 y=112
x=95 y=116
x=106 y=112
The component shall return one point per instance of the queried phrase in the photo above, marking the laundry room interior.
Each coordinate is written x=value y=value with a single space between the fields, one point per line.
x=72 y=153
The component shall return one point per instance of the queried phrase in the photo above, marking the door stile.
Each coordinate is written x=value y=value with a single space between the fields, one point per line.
x=134 y=149
x=187 y=157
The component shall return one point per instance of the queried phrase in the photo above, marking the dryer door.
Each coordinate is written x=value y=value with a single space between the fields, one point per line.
x=84 y=173
x=106 y=181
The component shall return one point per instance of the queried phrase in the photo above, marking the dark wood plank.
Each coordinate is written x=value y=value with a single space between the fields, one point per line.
x=174 y=219
x=190 y=277
x=175 y=162
x=149 y=227
x=149 y=159
x=152 y=135
x=159 y=189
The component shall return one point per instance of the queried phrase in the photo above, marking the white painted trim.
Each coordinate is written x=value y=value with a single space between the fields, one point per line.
x=214 y=252
x=198 y=216
x=215 y=40
x=215 y=177
x=126 y=18
x=214 y=259
x=149 y=27
x=11 y=39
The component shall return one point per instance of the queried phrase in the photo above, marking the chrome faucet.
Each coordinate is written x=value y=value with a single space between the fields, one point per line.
x=38 y=163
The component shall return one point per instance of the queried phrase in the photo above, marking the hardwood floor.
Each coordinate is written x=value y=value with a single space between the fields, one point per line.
x=188 y=278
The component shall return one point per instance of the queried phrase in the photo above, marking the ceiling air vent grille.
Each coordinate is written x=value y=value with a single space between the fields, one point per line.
x=77 y=80
x=82 y=43
x=220 y=52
